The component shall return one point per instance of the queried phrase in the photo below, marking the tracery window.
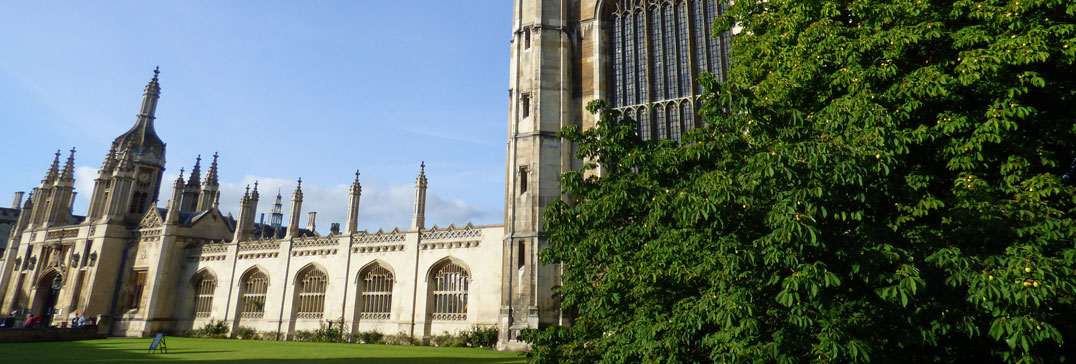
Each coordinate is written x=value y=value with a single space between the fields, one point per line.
x=659 y=49
x=252 y=301
x=205 y=284
x=449 y=296
x=376 y=293
x=310 y=293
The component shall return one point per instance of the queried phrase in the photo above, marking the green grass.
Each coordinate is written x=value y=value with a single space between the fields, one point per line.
x=242 y=352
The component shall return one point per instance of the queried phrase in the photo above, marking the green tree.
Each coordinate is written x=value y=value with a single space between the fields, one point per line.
x=878 y=181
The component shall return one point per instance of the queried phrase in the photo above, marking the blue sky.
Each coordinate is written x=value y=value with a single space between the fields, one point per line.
x=282 y=90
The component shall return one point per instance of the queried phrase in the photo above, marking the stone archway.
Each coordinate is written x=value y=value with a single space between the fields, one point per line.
x=48 y=294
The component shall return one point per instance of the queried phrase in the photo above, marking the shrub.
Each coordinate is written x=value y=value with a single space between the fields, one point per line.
x=329 y=334
x=447 y=340
x=270 y=335
x=398 y=339
x=368 y=337
x=212 y=330
x=245 y=333
x=301 y=335
x=481 y=337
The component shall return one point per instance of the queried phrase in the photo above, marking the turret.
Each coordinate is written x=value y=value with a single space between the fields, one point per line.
x=43 y=194
x=209 y=195
x=248 y=206
x=296 y=209
x=418 y=219
x=140 y=155
x=192 y=189
x=276 y=215
x=353 y=206
x=102 y=186
x=63 y=188
x=175 y=204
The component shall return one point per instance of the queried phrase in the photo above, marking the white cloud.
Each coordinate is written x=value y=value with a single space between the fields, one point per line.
x=382 y=206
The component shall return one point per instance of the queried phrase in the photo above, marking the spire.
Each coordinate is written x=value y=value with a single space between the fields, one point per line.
x=209 y=195
x=353 y=206
x=196 y=172
x=254 y=194
x=54 y=170
x=418 y=219
x=276 y=215
x=296 y=208
x=356 y=188
x=179 y=180
x=110 y=161
x=211 y=175
x=142 y=137
x=69 y=167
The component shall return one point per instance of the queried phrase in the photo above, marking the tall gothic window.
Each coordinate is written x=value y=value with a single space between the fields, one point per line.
x=204 y=284
x=376 y=293
x=252 y=299
x=449 y=292
x=310 y=293
x=659 y=49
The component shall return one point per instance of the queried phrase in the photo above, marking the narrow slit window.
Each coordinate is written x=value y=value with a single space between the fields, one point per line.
x=521 y=254
x=523 y=179
x=525 y=102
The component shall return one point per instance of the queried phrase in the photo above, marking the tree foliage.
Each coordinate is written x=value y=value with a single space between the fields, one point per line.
x=878 y=181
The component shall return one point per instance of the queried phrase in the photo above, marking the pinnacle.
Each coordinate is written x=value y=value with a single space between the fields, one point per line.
x=54 y=169
x=69 y=167
x=195 y=173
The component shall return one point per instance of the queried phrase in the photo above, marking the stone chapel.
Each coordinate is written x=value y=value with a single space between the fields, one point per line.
x=145 y=268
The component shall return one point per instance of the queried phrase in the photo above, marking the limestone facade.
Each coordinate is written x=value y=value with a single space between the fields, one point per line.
x=643 y=57
x=150 y=269
x=169 y=269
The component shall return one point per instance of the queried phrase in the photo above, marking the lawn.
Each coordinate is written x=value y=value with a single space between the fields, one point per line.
x=241 y=352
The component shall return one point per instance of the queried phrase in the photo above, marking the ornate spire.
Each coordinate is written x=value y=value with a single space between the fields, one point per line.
x=418 y=218
x=356 y=188
x=421 y=180
x=54 y=170
x=179 y=180
x=142 y=137
x=211 y=175
x=254 y=195
x=69 y=167
x=353 y=206
x=298 y=195
x=196 y=173
x=110 y=161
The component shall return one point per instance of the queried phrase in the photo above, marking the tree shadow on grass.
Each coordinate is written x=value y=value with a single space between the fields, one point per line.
x=238 y=352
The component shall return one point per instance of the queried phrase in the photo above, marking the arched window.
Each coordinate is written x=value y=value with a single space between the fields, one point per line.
x=310 y=293
x=448 y=299
x=252 y=299
x=204 y=286
x=376 y=291
x=655 y=43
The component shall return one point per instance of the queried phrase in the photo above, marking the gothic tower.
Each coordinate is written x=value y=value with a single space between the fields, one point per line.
x=643 y=57
x=544 y=45
x=136 y=179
